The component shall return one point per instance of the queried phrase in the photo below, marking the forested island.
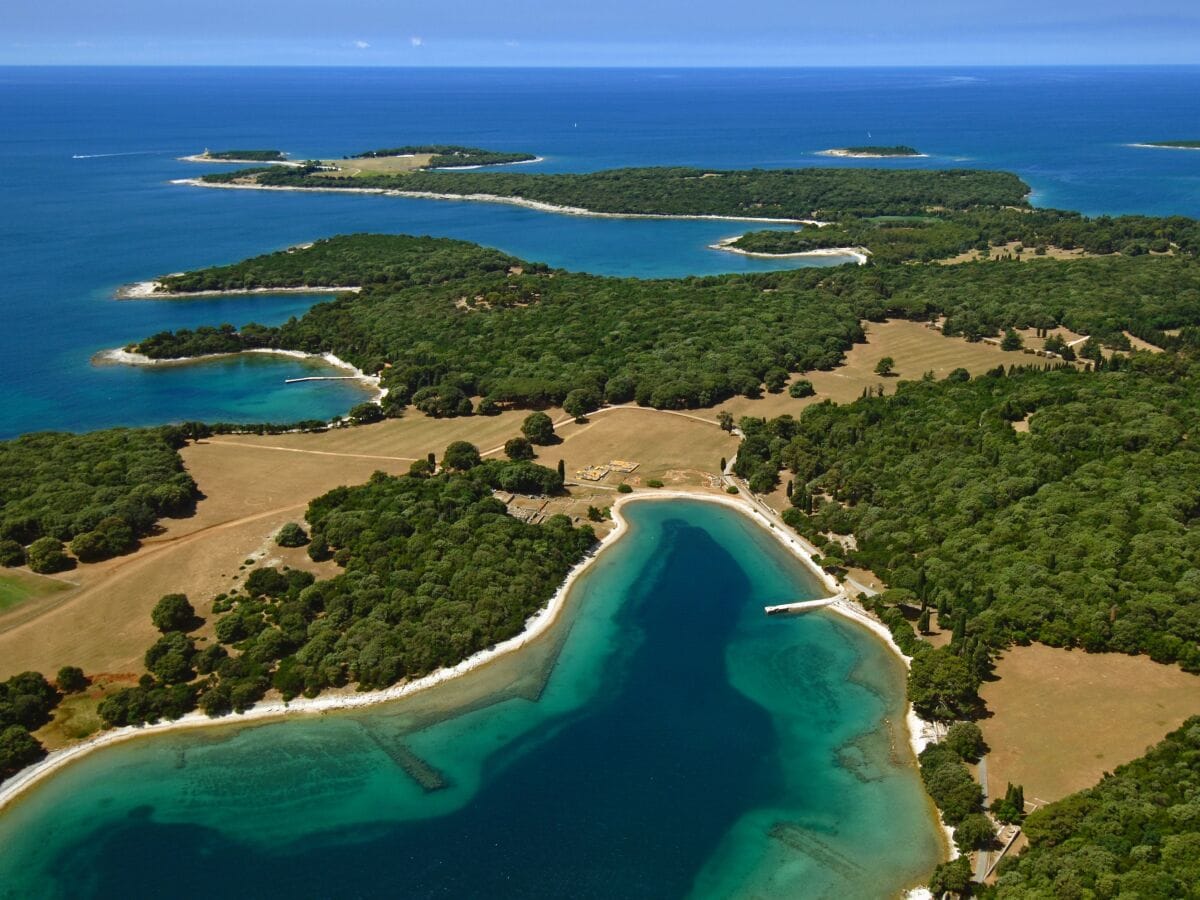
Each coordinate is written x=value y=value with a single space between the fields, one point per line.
x=450 y=156
x=245 y=155
x=930 y=237
x=677 y=191
x=874 y=152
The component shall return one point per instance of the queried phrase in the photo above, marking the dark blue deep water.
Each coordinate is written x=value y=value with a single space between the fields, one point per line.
x=75 y=229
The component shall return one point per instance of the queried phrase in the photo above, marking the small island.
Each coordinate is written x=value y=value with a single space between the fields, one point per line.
x=1171 y=145
x=872 y=152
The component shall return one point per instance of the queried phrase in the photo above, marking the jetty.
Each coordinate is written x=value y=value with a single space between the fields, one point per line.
x=801 y=606
x=321 y=378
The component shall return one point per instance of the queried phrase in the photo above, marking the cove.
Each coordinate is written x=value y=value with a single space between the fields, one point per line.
x=662 y=739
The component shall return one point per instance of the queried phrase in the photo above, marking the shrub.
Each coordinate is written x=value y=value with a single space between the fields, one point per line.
x=518 y=449
x=173 y=613
x=654 y=483
x=965 y=739
x=291 y=535
x=624 y=488
x=71 y=680
x=538 y=428
x=461 y=456
x=801 y=388
x=47 y=555
x=11 y=553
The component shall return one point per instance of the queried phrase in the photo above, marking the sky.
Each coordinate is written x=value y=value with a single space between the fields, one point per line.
x=599 y=32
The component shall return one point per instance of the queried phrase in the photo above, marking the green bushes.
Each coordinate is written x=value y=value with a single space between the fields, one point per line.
x=291 y=535
x=173 y=612
x=26 y=701
x=47 y=555
x=949 y=783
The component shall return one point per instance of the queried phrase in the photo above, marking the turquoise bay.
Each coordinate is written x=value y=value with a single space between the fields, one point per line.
x=663 y=739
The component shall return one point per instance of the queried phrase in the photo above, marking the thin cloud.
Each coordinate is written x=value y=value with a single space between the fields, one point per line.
x=361 y=45
x=416 y=41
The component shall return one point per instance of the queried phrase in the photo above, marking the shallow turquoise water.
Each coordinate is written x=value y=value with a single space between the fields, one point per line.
x=666 y=739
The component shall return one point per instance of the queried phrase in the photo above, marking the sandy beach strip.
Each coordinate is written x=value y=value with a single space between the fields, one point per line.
x=154 y=290
x=486 y=198
x=840 y=153
x=860 y=255
x=121 y=356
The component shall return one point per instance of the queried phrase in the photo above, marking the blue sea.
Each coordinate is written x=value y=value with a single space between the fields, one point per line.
x=665 y=739
x=87 y=156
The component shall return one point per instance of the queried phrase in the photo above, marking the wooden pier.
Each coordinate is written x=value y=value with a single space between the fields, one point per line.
x=801 y=606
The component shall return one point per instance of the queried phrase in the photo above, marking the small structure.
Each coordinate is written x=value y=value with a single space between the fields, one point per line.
x=801 y=606
x=593 y=473
x=623 y=466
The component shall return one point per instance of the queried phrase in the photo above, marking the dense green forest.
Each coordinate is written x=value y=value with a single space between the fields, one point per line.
x=1135 y=834
x=1080 y=532
x=529 y=336
x=435 y=570
x=931 y=237
x=462 y=320
x=758 y=193
x=100 y=491
x=449 y=156
x=249 y=155
x=350 y=261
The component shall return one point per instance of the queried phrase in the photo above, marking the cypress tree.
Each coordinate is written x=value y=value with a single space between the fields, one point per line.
x=923 y=622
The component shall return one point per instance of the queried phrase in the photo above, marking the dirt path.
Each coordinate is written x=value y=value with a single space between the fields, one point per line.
x=241 y=445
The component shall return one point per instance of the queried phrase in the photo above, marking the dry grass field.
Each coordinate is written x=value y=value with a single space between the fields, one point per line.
x=1061 y=719
x=382 y=165
x=916 y=349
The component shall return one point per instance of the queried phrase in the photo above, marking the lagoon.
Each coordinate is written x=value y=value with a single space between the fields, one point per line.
x=663 y=739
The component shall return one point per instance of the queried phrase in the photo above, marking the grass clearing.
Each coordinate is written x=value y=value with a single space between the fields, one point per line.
x=376 y=165
x=1062 y=718
x=17 y=588
x=915 y=348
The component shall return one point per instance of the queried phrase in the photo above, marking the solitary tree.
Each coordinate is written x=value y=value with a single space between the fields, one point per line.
x=538 y=428
x=802 y=387
x=562 y=469
x=1011 y=341
x=71 y=679
x=173 y=613
x=518 y=448
x=461 y=456
x=725 y=420
x=965 y=739
x=291 y=535
x=885 y=366
x=923 y=621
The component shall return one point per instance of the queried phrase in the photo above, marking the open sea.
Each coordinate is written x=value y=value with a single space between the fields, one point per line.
x=665 y=739
x=86 y=156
